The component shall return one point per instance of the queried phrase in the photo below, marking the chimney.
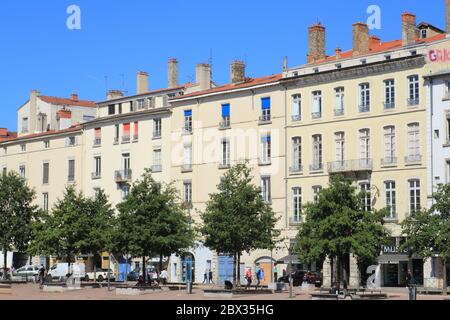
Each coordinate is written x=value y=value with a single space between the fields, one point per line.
x=285 y=64
x=338 y=53
x=203 y=76
x=64 y=119
x=114 y=94
x=142 y=82
x=447 y=15
x=408 y=29
x=374 y=41
x=173 y=73
x=3 y=132
x=33 y=111
x=74 y=97
x=237 y=71
x=360 y=39
x=316 y=43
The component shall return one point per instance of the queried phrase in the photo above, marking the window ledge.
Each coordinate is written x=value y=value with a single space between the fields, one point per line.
x=410 y=164
x=391 y=220
x=224 y=128
x=316 y=171
x=263 y=123
x=391 y=165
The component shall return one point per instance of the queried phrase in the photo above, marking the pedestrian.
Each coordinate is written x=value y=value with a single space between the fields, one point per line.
x=41 y=275
x=275 y=273
x=248 y=277
x=205 y=276
x=164 y=276
x=210 y=274
x=409 y=278
x=259 y=277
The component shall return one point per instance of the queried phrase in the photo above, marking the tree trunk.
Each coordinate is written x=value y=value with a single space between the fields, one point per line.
x=338 y=270
x=444 y=261
x=239 y=269
x=332 y=271
x=160 y=263
x=95 y=268
x=143 y=269
x=5 y=261
x=126 y=268
x=234 y=269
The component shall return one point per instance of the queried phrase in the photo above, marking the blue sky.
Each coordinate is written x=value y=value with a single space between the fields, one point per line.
x=38 y=51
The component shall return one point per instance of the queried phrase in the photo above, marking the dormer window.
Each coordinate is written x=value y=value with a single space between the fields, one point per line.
x=388 y=57
x=338 y=66
x=316 y=70
x=363 y=61
x=423 y=33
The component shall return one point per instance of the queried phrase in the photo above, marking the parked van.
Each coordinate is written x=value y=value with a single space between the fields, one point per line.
x=61 y=270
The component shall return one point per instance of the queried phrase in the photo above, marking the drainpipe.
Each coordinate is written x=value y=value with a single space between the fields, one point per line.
x=431 y=140
x=285 y=160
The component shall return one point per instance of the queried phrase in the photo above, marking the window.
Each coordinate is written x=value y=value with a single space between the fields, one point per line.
x=187 y=187
x=111 y=109
x=86 y=118
x=225 y=116
x=46 y=144
x=367 y=197
x=5 y=171
x=413 y=143
x=120 y=108
x=296 y=154
x=225 y=152
x=364 y=105
x=389 y=86
x=96 y=192
x=317 y=153
x=23 y=147
x=265 y=189
x=97 y=167
x=157 y=126
x=316 y=192
x=71 y=176
x=339 y=106
x=339 y=141
x=45 y=173
x=296 y=107
x=187 y=121
x=126 y=164
x=317 y=104
x=390 y=200
x=22 y=171
x=265 y=110
x=116 y=134
x=45 y=202
x=141 y=104
x=25 y=124
x=125 y=192
x=132 y=106
x=126 y=133
x=448 y=171
x=296 y=204
x=364 y=144
x=266 y=144
x=157 y=163
x=71 y=141
x=413 y=84
x=98 y=137
x=389 y=146
x=187 y=157
x=136 y=131
x=414 y=196
x=448 y=128
x=423 y=33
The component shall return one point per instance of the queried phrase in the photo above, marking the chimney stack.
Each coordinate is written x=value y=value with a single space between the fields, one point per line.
x=374 y=41
x=408 y=29
x=33 y=111
x=114 y=94
x=142 y=82
x=316 y=43
x=447 y=15
x=203 y=76
x=74 y=97
x=338 y=53
x=173 y=73
x=64 y=119
x=237 y=71
x=360 y=39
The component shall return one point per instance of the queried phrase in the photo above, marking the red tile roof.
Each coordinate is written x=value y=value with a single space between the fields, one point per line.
x=68 y=101
x=73 y=128
x=6 y=135
x=249 y=82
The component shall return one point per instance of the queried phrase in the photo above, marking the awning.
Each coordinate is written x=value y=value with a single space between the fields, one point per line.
x=393 y=258
x=287 y=260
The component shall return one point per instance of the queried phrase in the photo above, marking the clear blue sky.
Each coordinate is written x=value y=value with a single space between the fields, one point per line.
x=117 y=37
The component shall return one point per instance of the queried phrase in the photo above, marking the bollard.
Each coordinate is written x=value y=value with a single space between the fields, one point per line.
x=412 y=293
x=189 y=287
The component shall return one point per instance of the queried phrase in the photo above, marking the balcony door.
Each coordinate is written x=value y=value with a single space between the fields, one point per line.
x=126 y=162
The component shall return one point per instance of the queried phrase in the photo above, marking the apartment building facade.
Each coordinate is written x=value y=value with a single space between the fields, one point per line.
x=363 y=113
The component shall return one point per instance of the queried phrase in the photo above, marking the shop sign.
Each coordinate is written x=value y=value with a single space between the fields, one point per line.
x=439 y=55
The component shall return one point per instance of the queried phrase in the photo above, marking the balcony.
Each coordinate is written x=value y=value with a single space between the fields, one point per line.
x=125 y=139
x=339 y=112
x=316 y=167
x=97 y=142
x=265 y=119
x=296 y=118
x=157 y=135
x=71 y=179
x=388 y=105
x=364 y=108
x=225 y=124
x=223 y=165
x=413 y=159
x=350 y=166
x=298 y=168
x=264 y=162
x=316 y=115
x=116 y=140
x=96 y=175
x=186 y=168
x=413 y=102
x=156 y=168
x=135 y=138
x=122 y=176
x=389 y=161
x=187 y=130
x=295 y=221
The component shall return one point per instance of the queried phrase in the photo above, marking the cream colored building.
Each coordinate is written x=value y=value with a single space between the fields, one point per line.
x=361 y=113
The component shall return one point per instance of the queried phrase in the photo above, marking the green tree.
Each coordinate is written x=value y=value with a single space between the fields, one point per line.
x=16 y=214
x=64 y=233
x=337 y=225
x=236 y=219
x=428 y=231
x=153 y=222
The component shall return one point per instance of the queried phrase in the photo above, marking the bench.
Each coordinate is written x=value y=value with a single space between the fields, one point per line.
x=324 y=296
x=5 y=288
x=136 y=290
x=369 y=296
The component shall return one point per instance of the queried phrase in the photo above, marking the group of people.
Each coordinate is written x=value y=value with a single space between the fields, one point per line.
x=249 y=277
x=153 y=279
x=208 y=277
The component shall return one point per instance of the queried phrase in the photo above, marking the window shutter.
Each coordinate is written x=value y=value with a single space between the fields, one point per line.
x=98 y=133
x=265 y=103
x=187 y=113
x=136 y=128
x=126 y=129
x=225 y=110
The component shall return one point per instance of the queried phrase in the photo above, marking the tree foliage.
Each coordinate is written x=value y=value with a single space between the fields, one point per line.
x=337 y=225
x=236 y=219
x=16 y=213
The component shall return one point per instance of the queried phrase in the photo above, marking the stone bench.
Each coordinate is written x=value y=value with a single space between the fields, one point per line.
x=136 y=291
x=324 y=296
x=369 y=296
x=222 y=293
x=5 y=288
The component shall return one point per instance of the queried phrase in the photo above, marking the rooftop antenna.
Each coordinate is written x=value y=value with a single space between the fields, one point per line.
x=190 y=78
x=211 y=64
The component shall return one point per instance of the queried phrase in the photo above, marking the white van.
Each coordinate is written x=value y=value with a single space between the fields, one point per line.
x=60 y=270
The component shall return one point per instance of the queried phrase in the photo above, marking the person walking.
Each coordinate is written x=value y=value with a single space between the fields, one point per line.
x=259 y=277
x=409 y=278
x=248 y=277
x=210 y=274
x=164 y=276
x=205 y=276
x=275 y=273
x=41 y=275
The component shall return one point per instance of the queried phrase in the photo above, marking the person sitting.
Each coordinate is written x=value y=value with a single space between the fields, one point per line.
x=228 y=285
x=141 y=282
